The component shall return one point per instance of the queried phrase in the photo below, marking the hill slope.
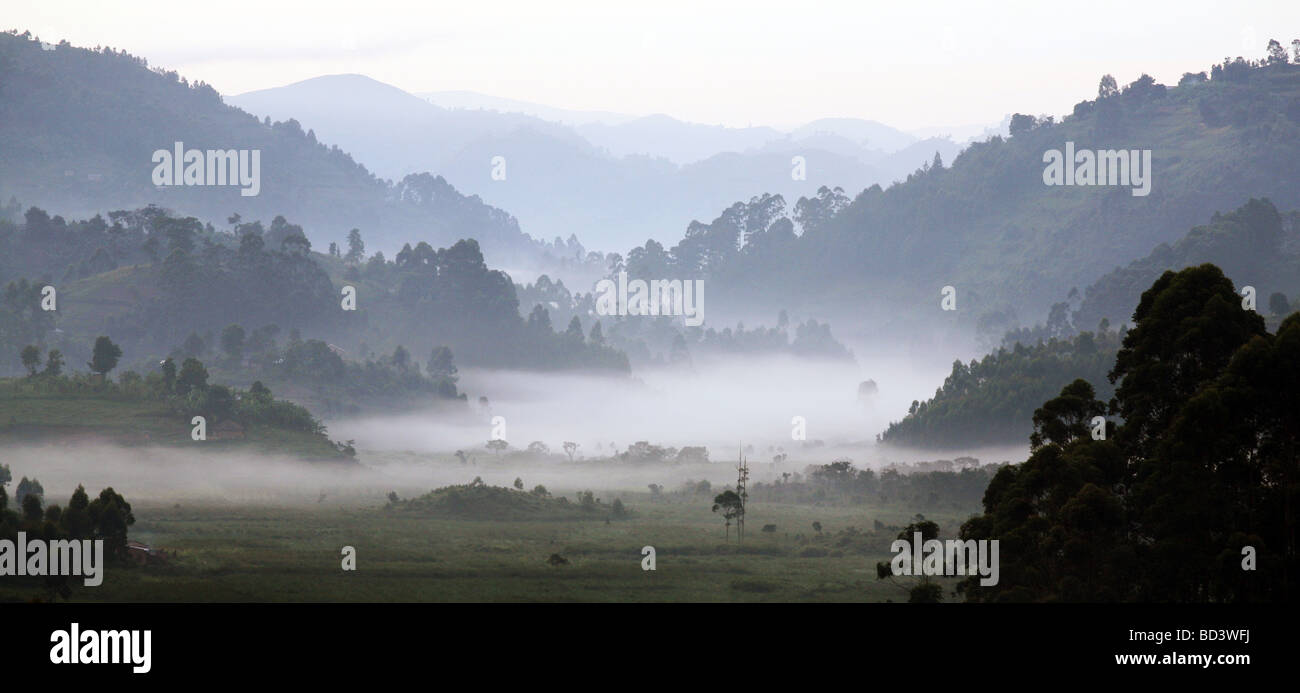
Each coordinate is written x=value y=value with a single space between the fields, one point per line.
x=79 y=128
x=989 y=226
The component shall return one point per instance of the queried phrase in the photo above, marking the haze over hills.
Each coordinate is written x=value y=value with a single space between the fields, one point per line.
x=989 y=226
x=97 y=155
x=471 y=100
x=614 y=182
x=960 y=221
x=684 y=142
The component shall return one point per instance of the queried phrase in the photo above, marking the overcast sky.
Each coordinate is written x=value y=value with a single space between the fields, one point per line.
x=907 y=64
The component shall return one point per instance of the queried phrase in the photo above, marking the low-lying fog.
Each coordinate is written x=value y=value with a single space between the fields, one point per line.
x=721 y=404
x=718 y=403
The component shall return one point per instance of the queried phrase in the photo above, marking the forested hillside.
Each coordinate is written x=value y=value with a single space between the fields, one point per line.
x=1197 y=469
x=1254 y=244
x=152 y=279
x=989 y=226
x=991 y=400
x=78 y=129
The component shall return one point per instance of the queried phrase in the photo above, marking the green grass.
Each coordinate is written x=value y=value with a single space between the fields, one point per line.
x=75 y=417
x=247 y=553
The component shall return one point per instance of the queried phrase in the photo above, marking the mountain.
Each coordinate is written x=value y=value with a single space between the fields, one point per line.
x=992 y=399
x=989 y=225
x=394 y=132
x=866 y=133
x=678 y=141
x=80 y=130
x=612 y=184
x=1255 y=245
x=474 y=101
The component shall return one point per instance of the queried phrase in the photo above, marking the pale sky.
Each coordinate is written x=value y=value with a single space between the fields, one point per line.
x=907 y=64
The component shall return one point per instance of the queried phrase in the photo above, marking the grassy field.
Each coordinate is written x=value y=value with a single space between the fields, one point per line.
x=292 y=552
x=252 y=520
x=79 y=417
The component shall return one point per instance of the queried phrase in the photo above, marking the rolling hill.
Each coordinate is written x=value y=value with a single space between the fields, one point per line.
x=79 y=129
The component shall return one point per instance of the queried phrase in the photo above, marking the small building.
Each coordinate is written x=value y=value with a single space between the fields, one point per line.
x=140 y=553
x=143 y=554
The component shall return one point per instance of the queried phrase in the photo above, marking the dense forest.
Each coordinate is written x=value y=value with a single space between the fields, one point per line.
x=106 y=517
x=990 y=400
x=659 y=340
x=1198 y=480
x=152 y=279
x=1255 y=244
x=988 y=225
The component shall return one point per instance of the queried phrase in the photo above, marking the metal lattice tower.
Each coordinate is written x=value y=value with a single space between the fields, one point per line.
x=742 y=476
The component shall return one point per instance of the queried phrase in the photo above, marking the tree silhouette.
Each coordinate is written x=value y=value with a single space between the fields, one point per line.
x=728 y=503
x=104 y=356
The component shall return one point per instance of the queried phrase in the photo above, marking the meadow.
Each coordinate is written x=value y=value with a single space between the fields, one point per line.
x=263 y=551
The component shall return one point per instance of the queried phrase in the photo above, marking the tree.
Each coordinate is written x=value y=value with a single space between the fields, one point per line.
x=441 y=364
x=1205 y=462
x=496 y=445
x=193 y=377
x=110 y=516
x=401 y=358
x=1186 y=328
x=259 y=392
x=31 y=357
x=538 y=448
x=356 y=248
x=1068 y=417
x=104 y=356
x=76 y=519
x=573 y=334
x=193 y=345
x=1276 y=53
x=1107 y=88
x=31 y=506
x=539 y=321
x=519 y=483
x=728 y=503
x=1278 y=305
x=570 y=448
x=925 y=592
x=54 y=363
x=27 y=487
x=232 y=342
x=1021 y=123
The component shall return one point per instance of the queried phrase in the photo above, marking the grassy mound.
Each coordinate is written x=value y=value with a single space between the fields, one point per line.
x=478 y=501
